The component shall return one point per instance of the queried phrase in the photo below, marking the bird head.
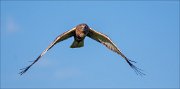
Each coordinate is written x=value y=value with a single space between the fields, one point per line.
x=82 y=29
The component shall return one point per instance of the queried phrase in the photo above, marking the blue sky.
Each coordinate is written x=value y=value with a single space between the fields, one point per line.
x=145 y=31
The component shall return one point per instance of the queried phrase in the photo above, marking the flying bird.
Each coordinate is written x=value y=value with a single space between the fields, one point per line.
x=79 y=33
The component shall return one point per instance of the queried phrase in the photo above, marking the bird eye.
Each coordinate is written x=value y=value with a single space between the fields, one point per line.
x=85 y=27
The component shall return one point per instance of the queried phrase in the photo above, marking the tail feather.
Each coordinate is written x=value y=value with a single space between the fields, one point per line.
x=77 y=44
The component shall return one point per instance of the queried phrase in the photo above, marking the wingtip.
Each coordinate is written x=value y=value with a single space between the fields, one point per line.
x=137 y=70
x=23 y=70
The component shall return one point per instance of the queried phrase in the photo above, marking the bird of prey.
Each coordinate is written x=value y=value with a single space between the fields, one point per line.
x=79 y=33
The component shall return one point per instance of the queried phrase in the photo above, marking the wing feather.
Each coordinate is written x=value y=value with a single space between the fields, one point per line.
x=105 y=40
x=60 y=38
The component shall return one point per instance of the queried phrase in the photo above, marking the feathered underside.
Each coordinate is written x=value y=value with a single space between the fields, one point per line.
x=60 y=38
x=97 y=36
x=106 y=41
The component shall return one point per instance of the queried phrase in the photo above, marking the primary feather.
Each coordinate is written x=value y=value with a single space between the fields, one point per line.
x=105 y=40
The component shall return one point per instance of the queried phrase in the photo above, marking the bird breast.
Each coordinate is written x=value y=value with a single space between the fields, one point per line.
x=80 y=33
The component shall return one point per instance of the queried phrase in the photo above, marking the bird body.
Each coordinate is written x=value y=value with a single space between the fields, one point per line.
x=79 y=33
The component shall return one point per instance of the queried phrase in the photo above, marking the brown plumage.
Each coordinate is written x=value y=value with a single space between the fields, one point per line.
x=79 y=33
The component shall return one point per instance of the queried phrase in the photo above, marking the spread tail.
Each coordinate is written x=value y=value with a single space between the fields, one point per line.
x=77 y=44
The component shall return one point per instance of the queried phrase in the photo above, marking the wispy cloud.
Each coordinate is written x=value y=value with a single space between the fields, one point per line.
x=60 y=73
x=11 y=25
x=67 y=73
x=46 y=62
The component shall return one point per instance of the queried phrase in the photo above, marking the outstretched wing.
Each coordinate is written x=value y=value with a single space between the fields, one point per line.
x=60 y=38
x=105 y=40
